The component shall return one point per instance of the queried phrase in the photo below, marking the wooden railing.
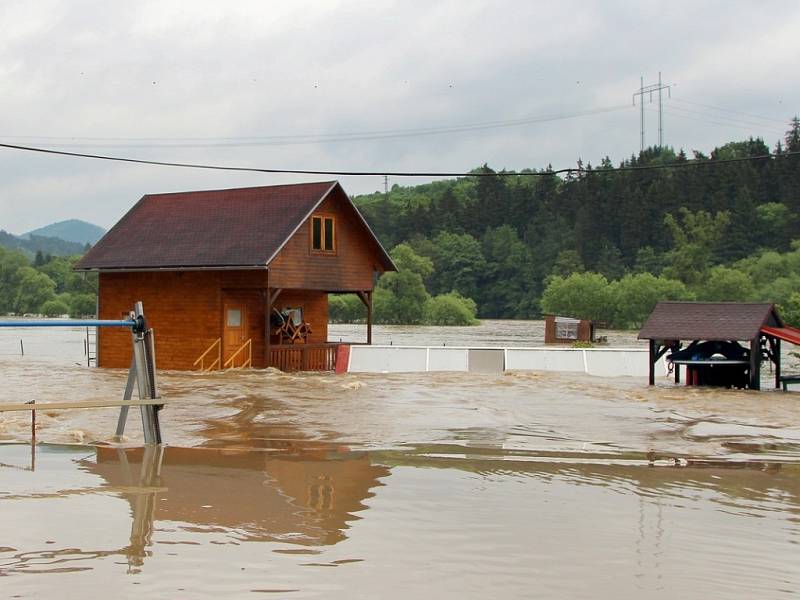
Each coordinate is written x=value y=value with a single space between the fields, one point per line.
x=246 y=352
x=303 y=357
x=216 y=363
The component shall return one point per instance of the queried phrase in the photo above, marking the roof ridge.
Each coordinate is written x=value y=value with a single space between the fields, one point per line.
x=236 y=189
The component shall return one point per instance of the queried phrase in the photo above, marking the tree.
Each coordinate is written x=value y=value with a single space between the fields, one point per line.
x=792 y=138
x=458 y=264
x=648 y=261
x=84 y=305
x=790 y=310
x=635 y=297
x=11 y=263
x=695 y=238
x=34 y=290
x=403 y=295
x=727 y=285
x=567 y=262
x=506 y=283
x=345 y=308
x=581 y=295
x=54 y=308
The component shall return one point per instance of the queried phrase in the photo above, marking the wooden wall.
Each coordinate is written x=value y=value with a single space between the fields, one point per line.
x=350 y=269
x=184 y=308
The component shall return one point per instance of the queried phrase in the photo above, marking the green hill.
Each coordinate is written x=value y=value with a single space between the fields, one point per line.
x=72 y=230
x=37 y=243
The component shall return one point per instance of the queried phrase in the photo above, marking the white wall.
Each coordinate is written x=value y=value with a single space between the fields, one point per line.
x=605 y=362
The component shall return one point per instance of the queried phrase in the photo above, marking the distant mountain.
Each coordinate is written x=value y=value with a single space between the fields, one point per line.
x=36 y=243
x=72 y=230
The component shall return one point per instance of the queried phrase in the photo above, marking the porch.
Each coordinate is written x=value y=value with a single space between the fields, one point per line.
x=273 y=327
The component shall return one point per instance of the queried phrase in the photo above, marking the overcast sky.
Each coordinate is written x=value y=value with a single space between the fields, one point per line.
x=261 y=83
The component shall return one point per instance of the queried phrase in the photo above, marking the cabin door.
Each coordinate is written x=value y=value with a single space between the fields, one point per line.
x=234 y=330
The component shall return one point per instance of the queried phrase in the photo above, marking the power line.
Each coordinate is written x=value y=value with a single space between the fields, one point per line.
x=548 y=173
x=728 y=110
x=722 y=119
x=297 y=139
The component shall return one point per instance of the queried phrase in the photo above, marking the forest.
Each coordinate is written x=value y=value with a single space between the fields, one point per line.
x=603 y=243
x=47 y=285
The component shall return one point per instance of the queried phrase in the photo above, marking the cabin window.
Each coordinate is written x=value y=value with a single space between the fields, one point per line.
x=567 y=329
x=234 y=318
x=323 y=234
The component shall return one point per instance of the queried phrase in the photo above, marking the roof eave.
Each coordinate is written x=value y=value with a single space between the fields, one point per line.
x=172 y=268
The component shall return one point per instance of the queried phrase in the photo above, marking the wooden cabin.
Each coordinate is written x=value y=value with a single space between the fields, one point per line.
x=566 y=330
x=714 y=330
x=228 y=277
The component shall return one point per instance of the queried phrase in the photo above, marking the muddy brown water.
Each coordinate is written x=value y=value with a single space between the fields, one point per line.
x=516 y=485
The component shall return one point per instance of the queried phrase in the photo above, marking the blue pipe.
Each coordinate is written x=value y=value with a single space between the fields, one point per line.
x=70 y=323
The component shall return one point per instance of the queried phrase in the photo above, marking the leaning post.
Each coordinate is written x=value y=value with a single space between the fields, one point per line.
x=144 y=360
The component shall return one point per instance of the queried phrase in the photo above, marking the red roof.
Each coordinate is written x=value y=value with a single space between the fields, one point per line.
x=790 y=334
x=709 y=321
x=244 y=228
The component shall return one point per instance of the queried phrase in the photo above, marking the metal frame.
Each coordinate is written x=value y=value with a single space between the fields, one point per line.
x=142 y=371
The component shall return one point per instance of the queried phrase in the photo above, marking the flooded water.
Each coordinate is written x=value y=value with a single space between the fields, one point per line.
x=516 y=485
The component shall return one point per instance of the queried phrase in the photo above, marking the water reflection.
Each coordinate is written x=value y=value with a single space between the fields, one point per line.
x=303 y=498
x=486 y=513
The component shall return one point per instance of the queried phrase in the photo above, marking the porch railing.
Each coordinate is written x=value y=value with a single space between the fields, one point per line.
x=215 y=358
x=243 y=355
x=303 y=357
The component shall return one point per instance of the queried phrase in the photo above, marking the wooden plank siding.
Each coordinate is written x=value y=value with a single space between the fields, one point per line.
x=350 y=268
x=184 y=308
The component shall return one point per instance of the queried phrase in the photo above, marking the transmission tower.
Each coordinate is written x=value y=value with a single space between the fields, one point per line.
x=649 y=90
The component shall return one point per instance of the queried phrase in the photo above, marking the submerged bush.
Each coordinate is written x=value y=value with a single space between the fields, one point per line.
x=450 y=309
x=54 y=308
x=346 y=308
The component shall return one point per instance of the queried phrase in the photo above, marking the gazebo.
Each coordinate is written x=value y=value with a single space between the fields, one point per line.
x=713 y=331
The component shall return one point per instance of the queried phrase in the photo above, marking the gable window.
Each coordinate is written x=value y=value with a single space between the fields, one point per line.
x=323 y=234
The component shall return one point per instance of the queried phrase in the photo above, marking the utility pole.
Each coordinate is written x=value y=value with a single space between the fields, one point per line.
x=648 y=90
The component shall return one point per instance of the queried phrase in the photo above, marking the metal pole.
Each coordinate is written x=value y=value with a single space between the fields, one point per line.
x=660 y=128
x=123 y=411
x=641 y=120
x=143 y=356
x=33 y=437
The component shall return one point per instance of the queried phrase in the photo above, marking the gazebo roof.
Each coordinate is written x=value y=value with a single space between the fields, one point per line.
x=709 y=321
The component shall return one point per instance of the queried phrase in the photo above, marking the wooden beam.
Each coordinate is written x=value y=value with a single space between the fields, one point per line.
x=21 y=406
x=776 y=353
x=652 y=361
x=274 y=297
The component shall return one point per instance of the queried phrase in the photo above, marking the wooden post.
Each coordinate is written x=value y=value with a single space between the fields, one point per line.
x=652 y=361
x=272 y=297
x=369 y=318
x=776 y=351
x=267 y=327
x=755 y=363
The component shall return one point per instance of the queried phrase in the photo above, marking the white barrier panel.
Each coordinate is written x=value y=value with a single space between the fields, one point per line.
x=387 y=359
x=448 y=359
x=617 y=363
x=605 y=362
x=545 y=359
